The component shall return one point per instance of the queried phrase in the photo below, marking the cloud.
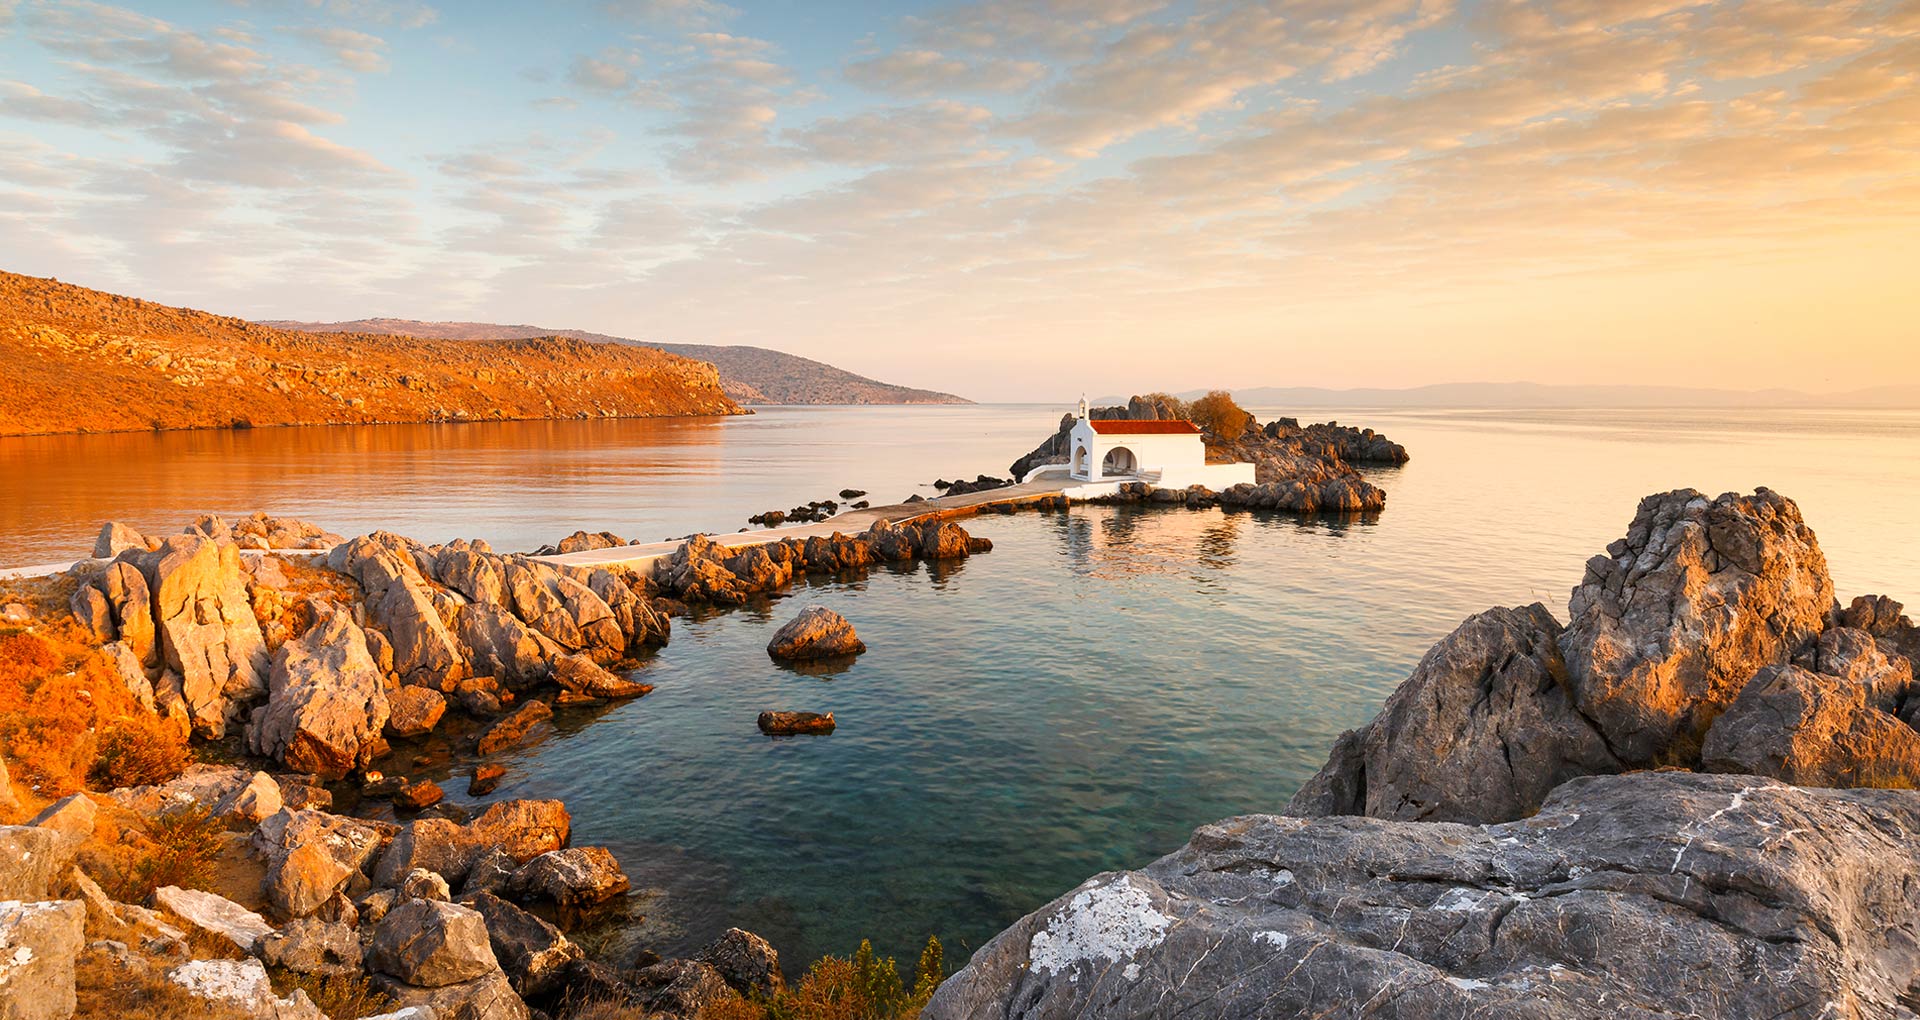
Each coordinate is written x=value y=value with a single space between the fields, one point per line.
x=612 y=72
x=355 y=51
x=683 y=13
x=935 y=131
x=917 y=72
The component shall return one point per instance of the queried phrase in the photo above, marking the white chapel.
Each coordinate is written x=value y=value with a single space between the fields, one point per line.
x=1168 y=454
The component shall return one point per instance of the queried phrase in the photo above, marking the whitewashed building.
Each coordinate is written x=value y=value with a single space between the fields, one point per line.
x=1168 y=454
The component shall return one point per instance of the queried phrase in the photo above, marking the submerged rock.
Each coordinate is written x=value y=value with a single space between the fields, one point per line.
x=512 y=730
x=1627 y=896
x=817 y=633
x=788 y=723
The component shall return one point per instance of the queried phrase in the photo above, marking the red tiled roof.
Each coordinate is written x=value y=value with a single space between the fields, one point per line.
x=1122 y=427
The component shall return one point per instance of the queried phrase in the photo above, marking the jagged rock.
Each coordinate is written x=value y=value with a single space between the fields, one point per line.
x=305 y=878
x=213 y=915
x=126 y=665
x=488 y=997
x=353 y=842
x=73 y=817
x=242 y=985
x=1812 y=729
x=745 y=961
x=250 y=803
x=202 y=785
x=473 y=574
x=535 y=956
x=581 y=675
x=311 y=946
x=1883 y=618
x=131 y=602
x=491 y=872
x=525 y=829
x=430 y=943
x=435 y=844
x=789 y=723
x=38 y=943
x=817 y=633
x=421 y=884
x=1482 y=730
x=1672 y=622
x=375 y=905
x=503 y=646
x=115 y=538
x=205 y=626
x=512 y=730
x=420 y=795
x=642 y=624
x=575 y=877
x=9 y=801
x=414 y=711
x=408 y=1013
x=486 y=779
x=679 y=988
x=401 y=602
x=93 y=613
x=1643 y=895
x=522 y=829
x=327 y=701
x=584 y=541
x=1853 y=655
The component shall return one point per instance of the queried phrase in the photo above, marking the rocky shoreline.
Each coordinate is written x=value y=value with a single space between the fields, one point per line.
x=1696 y=798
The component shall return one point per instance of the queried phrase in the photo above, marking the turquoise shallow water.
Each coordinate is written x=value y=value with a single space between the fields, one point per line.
x=1076 y=700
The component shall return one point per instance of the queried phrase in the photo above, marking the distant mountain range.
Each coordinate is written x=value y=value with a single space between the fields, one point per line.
x=1542 y=395
x=80 y=360
x=750 y=375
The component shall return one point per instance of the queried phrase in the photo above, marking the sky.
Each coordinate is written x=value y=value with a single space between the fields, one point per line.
x=1015 y=201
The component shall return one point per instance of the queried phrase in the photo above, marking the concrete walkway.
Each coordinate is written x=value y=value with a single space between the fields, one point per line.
x=852 y=522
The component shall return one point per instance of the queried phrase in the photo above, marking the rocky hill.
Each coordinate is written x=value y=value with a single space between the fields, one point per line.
x=751 y=375
x=81 y=360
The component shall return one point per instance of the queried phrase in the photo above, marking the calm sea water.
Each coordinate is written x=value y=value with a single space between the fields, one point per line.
x=1077 y=700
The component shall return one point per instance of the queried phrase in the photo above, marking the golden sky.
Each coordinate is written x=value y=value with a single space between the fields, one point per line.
x=1011 y=200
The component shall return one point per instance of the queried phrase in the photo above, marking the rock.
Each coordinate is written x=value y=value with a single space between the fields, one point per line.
x=488 y=997
x=421 y=884
x=131 y=601
x=817 y=633
x=38 y=943
x=788 y=723
x=490 y=873
x=535 y=956
x=478 y=697
x=408 y=1013
x=305 y=878
x=213 y=915
x=1673 y=621
x=525 y=829
x=581 y=675
x=252 y=803
x=1855 y=656
x=420 y=795
x=642 y=624
x=583 y=541
x=1642 y=895
x=353 y=842
x=328 y=701
x=414 y=711
x=1482 y=730
x=31 y=859
x=116 y=538
x=73 y=817
x=679 y=988
x=206 y=628
x=501 y=645
x=242 y=985
x=575 y=877
x=430 y=943
x=1812 y=729
x=436 y=844
x=486 y=779
x=126 y=665
x=745 y=961
x=93 y=613
x=512 y=730
x=9 y=801
x=310 y=946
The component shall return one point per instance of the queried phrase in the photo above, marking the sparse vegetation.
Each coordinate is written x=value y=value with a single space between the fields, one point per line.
x=137 y=750
x=186 y=847
x=1218 y=415
x=866 y=986
x=339 y=996
x=58 y=701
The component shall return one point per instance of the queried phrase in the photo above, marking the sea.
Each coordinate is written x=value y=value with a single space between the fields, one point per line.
x=1075 y=701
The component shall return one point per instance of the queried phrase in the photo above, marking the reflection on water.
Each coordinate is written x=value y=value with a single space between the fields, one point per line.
x=1076 y=700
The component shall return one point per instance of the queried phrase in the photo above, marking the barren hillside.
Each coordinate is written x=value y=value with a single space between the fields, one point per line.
x=751 y=375
x=80 y=360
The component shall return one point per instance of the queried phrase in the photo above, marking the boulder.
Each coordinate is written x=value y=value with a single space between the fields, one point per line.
x=525 y=829
x=213 y=915
x=512 y=730
x=1670 y=624
x=522 y=829
x=126 y=591
x=93 y=613
x=485 y=780
x=1481 y=731
x=501 y=645
x=421 y=884
x=73 y=817
x=250 y=803
x=745 y=961
x=38 y=943
x=535 y=956
x=575 y=877
x=242 y=986
x=1812 y=729
x=418 y=796
x=491 y=872
x=1853 y=654
x=116 y=538
x=436 y=844
x=643 y=625
x=312 y=946
x=430 y=943
x=205 y=627
x=817 y=633
x=353 y=842
x=31 y=861
x=678 y=988
x=780 y=724
x=126 y=665
x=327 y=702
x=1652 y=894
x=414 y=711
x=488 y=997
x=581 y=675
x=304 y=878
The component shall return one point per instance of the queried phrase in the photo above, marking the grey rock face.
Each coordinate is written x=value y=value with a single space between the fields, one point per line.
x=533 y=953
x=1644 y=895
x=817 y=633
x=1481 y=731
x=678 y=988
x=312 y=946
x=214 y=915
x=1672 y=622
x=38 y=943
x=1812 y=729
x=327 y=702
x=488 y=997
x=205 y=627
x=575 y=877
x=746 y=961
x=430 y=943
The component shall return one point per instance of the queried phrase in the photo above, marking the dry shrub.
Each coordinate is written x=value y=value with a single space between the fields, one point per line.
x=138 y=750
x=865 y=987
x=59 y=697
x=339 y=996
x=104 y=990
x=186 y=845
x=1217 y=414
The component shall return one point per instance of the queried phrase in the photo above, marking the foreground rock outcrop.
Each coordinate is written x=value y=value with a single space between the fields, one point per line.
x=817 y=633
x=1650 y=895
